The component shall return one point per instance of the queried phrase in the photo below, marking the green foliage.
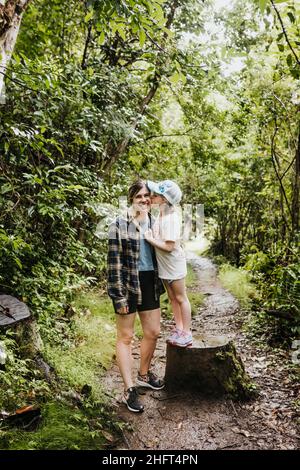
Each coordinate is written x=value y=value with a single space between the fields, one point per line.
x=278 y=281
x=21 y=383
x=237 y=281
x=196 y=300
x=284 y=292
x=191 y=278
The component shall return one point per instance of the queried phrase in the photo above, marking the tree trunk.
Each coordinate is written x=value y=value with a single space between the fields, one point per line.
x=296 y=190
x=212 y=367
x=10 y=20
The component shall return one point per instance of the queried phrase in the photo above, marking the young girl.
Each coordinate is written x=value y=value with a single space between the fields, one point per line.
x=165 y=237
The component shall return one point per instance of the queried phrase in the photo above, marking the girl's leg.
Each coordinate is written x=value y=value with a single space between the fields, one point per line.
x=125 y=328
x=150 y=320
x=179 y=292
x=175 y=306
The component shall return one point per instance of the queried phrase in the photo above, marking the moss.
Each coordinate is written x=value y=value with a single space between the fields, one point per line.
x=232 y=377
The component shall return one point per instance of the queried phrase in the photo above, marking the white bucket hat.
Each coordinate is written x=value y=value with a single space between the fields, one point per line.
x=167 y=188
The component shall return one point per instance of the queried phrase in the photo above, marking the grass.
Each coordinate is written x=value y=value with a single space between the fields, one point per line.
x=237 y=281
x=191 y=278
x=93 y=347
x=196 y=298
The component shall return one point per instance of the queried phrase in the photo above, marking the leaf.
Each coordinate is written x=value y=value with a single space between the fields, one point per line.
x=89 y=16
x=101 y=38
x=18 y=262
x=289 y=60
x=280 y=47
x=262 y=5
x=183 y=78
x=6 y=188
x=159 y=15
x=121 y=28
x=142 y=37
x=240 y=431
x=291 y=17
x=295 y=73
x=279 y=37
x=175 y=78
x=108 y=436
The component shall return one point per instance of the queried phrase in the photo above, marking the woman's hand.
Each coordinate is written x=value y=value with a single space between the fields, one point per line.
x=123 y=310
x=148 y=235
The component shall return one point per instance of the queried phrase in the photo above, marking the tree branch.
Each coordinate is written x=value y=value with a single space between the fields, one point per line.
x=86 y=45
x=15 y=80
x=168 y=135
x=274 y=159
x=113 y=151
x=285 y=33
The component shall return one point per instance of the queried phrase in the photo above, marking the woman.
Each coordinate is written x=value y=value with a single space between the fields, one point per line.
x=134 y=287
x=165 y=238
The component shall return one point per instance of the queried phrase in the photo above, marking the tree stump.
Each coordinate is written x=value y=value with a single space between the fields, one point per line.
x=12 y=310
x=211 y=366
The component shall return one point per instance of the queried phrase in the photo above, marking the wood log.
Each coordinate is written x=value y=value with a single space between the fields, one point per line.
x=211 y=366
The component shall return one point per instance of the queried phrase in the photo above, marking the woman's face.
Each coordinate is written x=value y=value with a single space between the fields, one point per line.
x=157 y=199
x=141 y=200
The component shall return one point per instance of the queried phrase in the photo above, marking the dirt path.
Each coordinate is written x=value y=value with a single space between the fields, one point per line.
x=190 y=421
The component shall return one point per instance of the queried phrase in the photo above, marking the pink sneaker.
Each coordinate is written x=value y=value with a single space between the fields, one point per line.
x=174 y=335
x=183 y=340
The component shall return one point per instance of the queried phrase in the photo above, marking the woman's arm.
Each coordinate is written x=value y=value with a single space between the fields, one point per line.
x=114 y=269
x=157 y=243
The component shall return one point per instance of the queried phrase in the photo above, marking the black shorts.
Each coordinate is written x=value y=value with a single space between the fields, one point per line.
x=148 y=294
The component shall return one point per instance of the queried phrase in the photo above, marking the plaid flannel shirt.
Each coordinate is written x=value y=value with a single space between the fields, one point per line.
x=122 y=262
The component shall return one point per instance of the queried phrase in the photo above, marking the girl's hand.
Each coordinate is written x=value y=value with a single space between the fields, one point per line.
x=155 y=231
x=148 y=235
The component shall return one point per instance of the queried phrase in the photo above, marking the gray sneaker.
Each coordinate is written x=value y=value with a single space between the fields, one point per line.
x=183 y=341
x=174 y=335
x=131 y=400
x=150 y=381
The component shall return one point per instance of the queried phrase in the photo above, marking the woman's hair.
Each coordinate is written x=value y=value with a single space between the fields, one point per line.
x=134 y=189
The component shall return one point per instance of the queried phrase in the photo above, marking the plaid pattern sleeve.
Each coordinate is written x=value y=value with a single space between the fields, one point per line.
x=115 y=288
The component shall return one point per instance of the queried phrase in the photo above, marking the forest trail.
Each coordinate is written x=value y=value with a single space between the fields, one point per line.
x=189 y=421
